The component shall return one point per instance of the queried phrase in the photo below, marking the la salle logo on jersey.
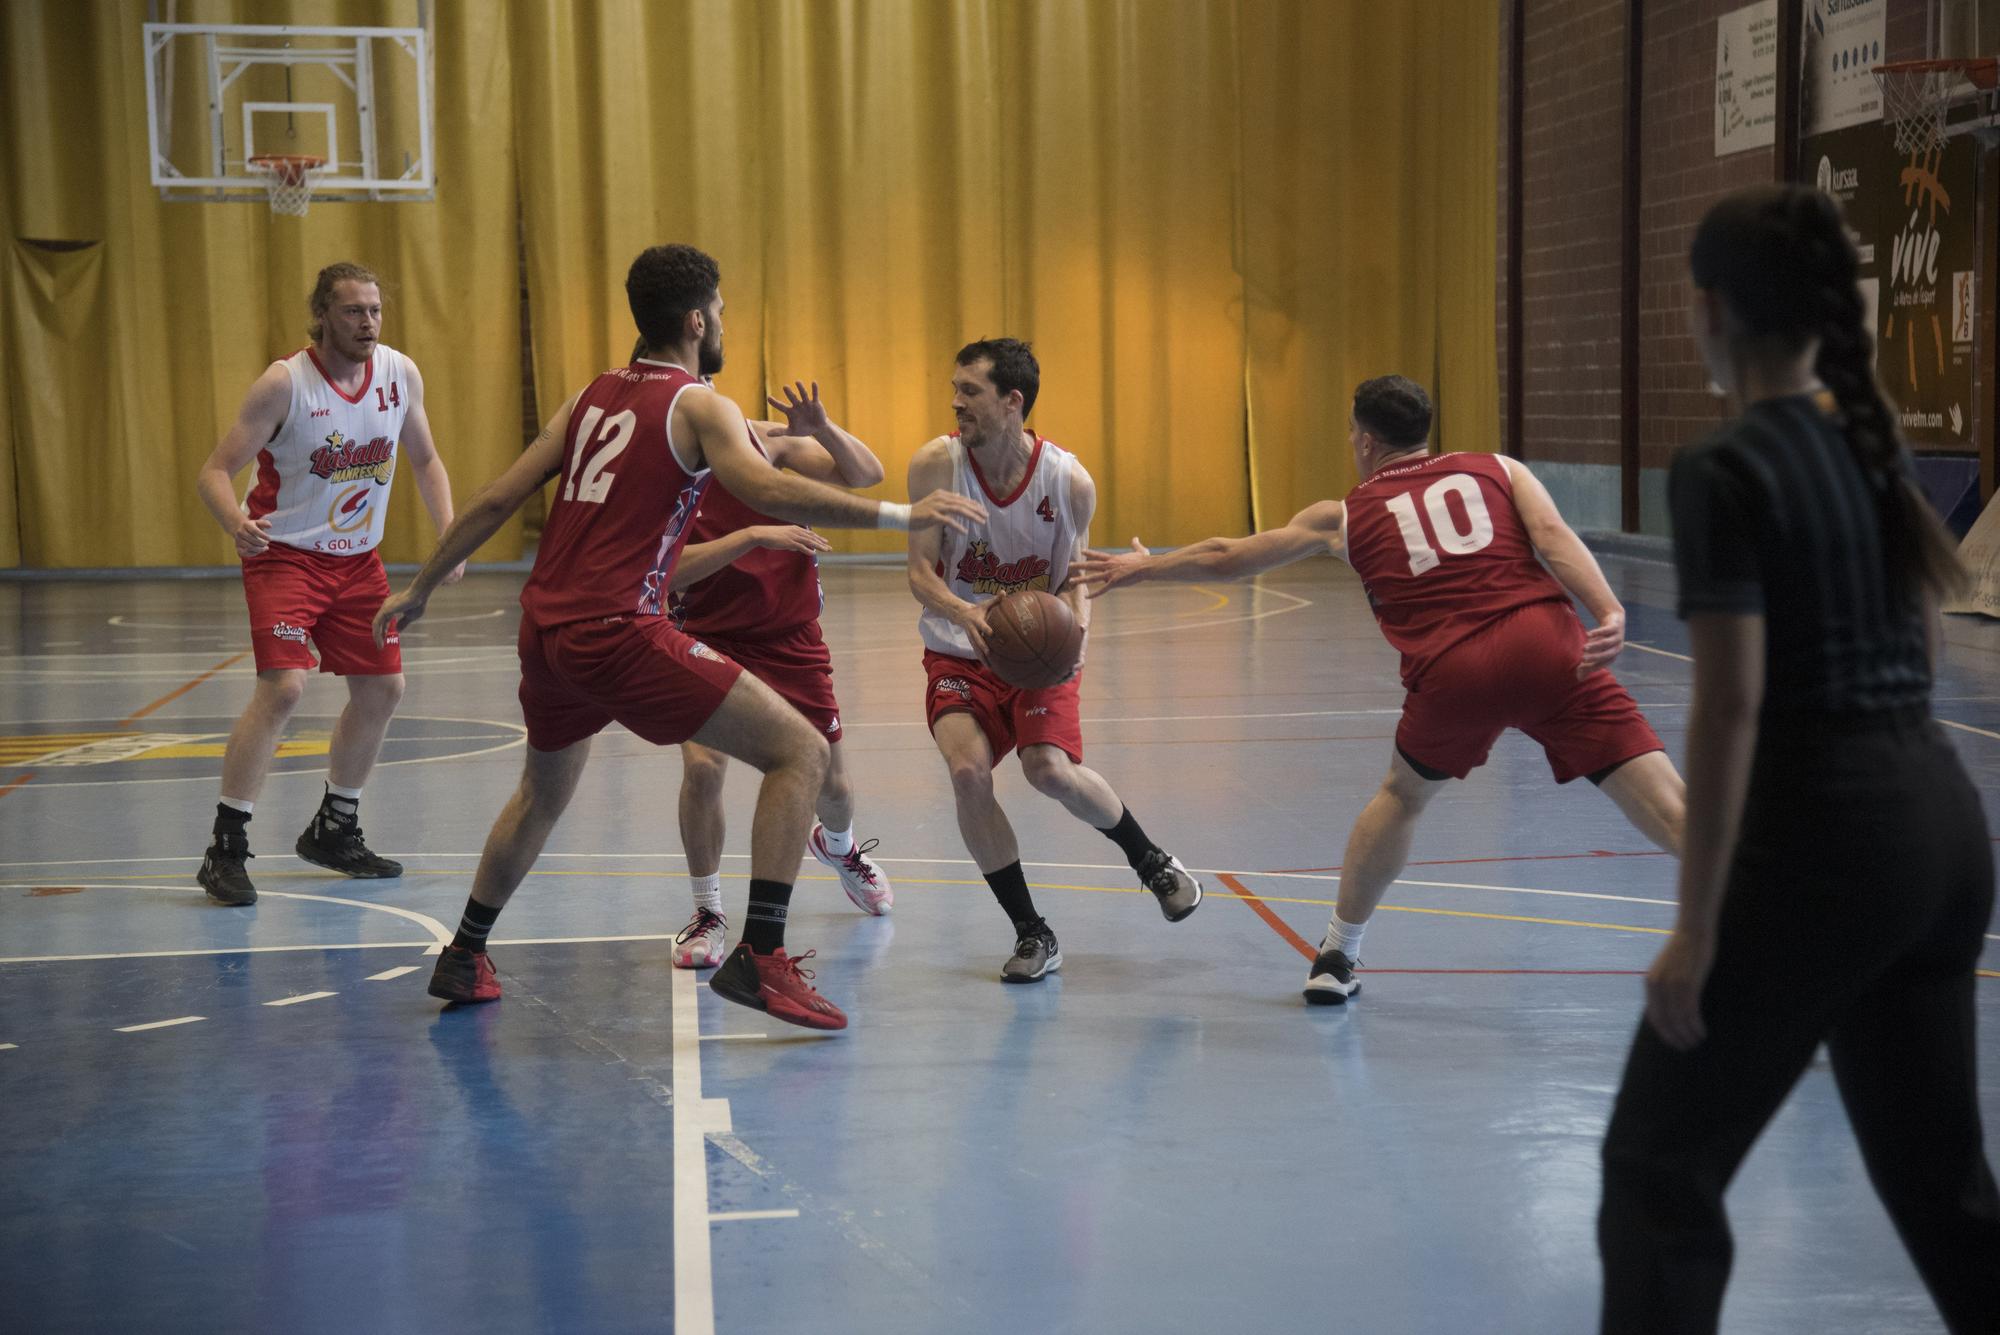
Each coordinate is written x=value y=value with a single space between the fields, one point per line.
x=343 y=460
x=986 y=573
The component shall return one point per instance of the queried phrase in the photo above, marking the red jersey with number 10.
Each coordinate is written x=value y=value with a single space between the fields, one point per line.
x=623 y=503
x=1442 y=552
x=766 y=593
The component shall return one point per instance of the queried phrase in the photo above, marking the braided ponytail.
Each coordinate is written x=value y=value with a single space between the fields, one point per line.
x=1782 y=259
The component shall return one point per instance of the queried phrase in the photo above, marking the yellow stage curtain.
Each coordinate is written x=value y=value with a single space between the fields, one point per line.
x=128 y=358
x=1212 y=218
x=1369 y=188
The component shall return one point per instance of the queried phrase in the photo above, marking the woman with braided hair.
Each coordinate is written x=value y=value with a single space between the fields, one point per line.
x=1836 y=877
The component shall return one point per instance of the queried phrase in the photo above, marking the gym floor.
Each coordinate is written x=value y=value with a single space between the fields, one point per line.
x=238 y=1119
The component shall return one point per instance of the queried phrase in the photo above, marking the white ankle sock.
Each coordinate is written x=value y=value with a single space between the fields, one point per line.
x=708 y=892
x=838 y=842
x=351 y=794
x=237 y=804
x=1344 y=937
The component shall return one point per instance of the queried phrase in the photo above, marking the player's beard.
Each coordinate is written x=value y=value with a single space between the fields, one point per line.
x=708 y=357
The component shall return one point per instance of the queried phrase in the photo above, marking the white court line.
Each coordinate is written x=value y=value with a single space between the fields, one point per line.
x=223 y=950
x=731 y=1038
x=694 y=1118
x=8 y=1047
x=303 y=996
x=387 y=974
x=1967 y=727
x=737 y=1216
x=440 y=938
x=161 y=1024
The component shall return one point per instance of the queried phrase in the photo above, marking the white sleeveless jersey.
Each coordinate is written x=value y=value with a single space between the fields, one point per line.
x=1026 y=542
x=323 y=480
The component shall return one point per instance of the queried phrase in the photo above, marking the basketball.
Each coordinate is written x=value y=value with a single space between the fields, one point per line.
x=1032 y=639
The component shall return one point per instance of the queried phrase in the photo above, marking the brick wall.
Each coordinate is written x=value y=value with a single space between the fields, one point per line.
x=1571 y=150
x=1681 y=177
x=1572 y=139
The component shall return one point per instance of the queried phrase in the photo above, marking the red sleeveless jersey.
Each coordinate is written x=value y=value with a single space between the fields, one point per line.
x=622 y=504
x=766 y=592
x=1442 y=552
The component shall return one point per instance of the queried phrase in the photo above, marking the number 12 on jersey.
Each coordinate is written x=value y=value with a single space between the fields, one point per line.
x=588 y=482
x=1453 y=539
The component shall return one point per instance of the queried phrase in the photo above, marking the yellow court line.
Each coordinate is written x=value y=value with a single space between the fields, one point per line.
x=1221 y=601
x=1034 y=885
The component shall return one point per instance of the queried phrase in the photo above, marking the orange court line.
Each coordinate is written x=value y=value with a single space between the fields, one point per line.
x=185 y=687
x=1263 y=910
x=14 y=783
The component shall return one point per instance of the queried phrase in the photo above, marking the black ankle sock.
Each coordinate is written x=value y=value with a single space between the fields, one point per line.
x=473 y=927
x=1130 y=838
x=231 y=824
x=764 y=921
x=1010 y=887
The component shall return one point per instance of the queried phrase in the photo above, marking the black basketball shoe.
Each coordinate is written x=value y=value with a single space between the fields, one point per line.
x=334 y=841
x=222 y=873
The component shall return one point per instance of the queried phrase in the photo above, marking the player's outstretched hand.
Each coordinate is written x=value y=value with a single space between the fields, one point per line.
x=253 y=537
x=804 y=414
x=1100 y=572
x=397 y=614
x=789 y=538
x=946 y=509
x=1673 y=989
x=1601 y=644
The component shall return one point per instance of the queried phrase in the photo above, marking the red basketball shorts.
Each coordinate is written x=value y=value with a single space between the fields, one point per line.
x=1520 y=672
x=794 y=663
x=636 y=671
x=296 y=596
x=1008 y=715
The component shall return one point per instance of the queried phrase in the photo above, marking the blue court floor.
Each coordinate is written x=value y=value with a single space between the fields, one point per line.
x=256 y=1120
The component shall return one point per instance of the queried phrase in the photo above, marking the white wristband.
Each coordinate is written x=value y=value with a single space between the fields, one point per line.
x=892 y=515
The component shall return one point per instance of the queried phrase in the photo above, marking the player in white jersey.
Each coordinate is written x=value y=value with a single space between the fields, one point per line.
x=326 y=427
x=1038 y=501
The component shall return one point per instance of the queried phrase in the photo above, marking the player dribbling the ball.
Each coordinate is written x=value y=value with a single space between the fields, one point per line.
x=1038 y=501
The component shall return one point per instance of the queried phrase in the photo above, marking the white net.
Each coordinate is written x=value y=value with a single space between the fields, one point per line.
x=289 y=180
x=1914 y=103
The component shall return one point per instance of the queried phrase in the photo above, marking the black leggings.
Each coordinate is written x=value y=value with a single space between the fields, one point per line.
x=1848 y=821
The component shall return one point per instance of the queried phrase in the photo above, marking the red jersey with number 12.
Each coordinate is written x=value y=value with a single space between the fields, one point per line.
x=623 y=503
x=1442 y=552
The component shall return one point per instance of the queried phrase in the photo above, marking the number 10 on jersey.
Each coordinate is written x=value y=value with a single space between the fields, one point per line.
x=1454 y=540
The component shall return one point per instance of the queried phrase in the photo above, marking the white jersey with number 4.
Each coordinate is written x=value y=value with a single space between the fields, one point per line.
x=323 y=480
x=1026 y=541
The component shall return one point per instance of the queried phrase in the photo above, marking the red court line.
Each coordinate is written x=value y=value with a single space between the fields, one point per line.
x=1263 y=910
x=12 y=784
x=185 y=687
x=1462 y=862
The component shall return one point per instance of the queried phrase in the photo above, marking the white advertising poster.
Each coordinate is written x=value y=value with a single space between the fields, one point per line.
x=1746 y=78
x=1843 y=42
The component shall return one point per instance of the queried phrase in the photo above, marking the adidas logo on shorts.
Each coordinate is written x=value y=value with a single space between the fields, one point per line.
x=833 y=724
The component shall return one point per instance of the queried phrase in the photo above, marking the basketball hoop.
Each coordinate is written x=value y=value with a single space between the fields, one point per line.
x=1917 y=97
x=289 y=178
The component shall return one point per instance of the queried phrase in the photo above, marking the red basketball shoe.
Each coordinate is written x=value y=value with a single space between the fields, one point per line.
x=464 y=976
x=775 y=984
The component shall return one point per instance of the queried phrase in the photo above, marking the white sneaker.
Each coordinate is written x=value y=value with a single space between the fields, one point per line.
x=703 y=942
x=859 y=876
